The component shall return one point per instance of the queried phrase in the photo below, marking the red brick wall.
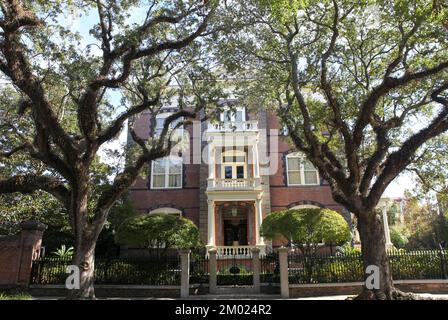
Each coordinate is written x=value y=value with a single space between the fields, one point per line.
x=18 y=252
x=282 y=196
x=185 y=199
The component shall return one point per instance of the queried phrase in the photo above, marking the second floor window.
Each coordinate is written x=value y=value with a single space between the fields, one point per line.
x=160 y=122
x=238 y=115
x=300 y=171
x=166 y=173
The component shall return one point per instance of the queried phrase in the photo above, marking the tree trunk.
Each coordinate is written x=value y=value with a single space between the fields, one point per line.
x=85 y=240
x=84 y=259
x=373 y=243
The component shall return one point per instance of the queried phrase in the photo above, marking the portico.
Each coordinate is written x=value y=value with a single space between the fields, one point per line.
x=234 y=222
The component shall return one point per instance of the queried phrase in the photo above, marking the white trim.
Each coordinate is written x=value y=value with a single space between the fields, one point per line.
x=166 y=210
x=233 y=115
x=164 y=115
x=234 y=165
x=167 y=174
x=301 y=171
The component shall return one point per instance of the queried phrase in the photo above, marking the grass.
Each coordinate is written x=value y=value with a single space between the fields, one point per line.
x=14 y=296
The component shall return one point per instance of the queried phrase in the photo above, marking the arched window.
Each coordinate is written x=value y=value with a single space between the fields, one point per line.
x=305 y=206
x=300 y=171
x=167 y=210
x=166 y=173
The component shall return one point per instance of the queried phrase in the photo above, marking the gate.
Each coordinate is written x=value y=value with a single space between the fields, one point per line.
x=234 y=269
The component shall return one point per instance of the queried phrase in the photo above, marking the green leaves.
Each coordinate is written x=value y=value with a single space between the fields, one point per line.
x=153 y=230
x=307 y=226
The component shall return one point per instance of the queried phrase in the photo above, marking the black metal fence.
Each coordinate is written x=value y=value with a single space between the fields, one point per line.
x=112 y=271
x=269 y=268
x=235 y=270
x=199 y=267
x=405 y=265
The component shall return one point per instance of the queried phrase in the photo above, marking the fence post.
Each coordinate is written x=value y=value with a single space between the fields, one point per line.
x=213 y=269
x=284 y=273
x=256 y=269
x=443 y=263
x=185 y=274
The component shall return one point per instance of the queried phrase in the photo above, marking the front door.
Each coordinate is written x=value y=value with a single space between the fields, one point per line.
x=235 y=232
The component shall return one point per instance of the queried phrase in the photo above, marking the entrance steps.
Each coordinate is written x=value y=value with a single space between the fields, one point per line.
x=236 y=293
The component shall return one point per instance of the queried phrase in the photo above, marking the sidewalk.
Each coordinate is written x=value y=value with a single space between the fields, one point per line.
x=256 y=297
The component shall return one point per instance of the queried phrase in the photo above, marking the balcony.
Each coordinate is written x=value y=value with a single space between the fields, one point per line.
x=234 y=184
x=233 y=126
x=238 y=252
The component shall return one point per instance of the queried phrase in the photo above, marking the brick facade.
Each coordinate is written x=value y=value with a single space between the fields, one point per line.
x=191 y=199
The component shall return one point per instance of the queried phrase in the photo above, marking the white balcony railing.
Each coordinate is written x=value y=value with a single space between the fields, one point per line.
x=234 y=184
x=233 y=126
x=231 y=251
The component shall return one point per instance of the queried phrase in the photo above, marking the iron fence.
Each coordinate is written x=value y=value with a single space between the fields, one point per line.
x=112 y=271
x=199 y=267
x=405 y=265
x=269 y=268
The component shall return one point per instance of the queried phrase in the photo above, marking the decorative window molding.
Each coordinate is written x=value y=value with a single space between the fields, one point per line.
x=166 y=173
x=300 y=171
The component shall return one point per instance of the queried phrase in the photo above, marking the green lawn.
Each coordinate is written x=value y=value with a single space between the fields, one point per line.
x=14 y=296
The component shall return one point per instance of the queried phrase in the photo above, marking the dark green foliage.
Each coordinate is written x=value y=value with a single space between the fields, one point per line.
x=307 y=228
x=157 y=230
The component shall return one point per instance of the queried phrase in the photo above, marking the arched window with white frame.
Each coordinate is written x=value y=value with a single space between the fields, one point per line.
x=300 y=171
x=166 y=173
x=167 y=210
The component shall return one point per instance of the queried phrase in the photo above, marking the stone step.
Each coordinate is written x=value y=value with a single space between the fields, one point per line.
x=236 y=296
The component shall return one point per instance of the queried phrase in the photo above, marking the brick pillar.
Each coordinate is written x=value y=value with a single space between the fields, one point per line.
x=284 y=273
x=185 y=273
x=29 y=249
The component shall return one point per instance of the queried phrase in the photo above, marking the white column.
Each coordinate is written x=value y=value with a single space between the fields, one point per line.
x=258 y=221
x=211 y=161
x=255 y=160
x=386 y=228
x=211 y=224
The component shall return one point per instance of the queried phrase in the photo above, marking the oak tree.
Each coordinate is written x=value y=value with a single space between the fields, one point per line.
x=65 y=96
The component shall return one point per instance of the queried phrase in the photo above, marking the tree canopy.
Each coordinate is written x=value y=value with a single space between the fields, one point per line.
x=307 y=228
x=360 y=85
x=157 y=231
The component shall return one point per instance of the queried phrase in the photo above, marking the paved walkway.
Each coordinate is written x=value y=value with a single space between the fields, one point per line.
x=250 y=297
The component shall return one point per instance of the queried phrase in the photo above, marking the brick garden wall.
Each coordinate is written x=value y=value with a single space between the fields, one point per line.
x=17 y=253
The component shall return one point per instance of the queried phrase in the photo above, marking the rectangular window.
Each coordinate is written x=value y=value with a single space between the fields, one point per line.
x=160 y=122
x=301 y=171
x=166 y=173
x=228 y=172
x=240 y=172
